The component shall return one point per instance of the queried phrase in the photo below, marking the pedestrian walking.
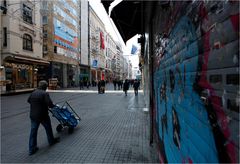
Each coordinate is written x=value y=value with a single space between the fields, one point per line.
x=121 y=84
x=40 y=102
x=99 y=85
x=81 y=84
x=88 y=84
x=126 y=86
x=115 y=84
x=136 y=86
x=103 y=83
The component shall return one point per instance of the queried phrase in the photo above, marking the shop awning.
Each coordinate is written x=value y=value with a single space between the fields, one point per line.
x=24 y=59
x=127 y=16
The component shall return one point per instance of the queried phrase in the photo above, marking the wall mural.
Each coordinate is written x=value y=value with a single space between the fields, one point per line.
x=192 y=118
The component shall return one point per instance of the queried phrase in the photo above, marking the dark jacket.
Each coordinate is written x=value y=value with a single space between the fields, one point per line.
x=39 y=102
x=136 y=85
x=125 y=86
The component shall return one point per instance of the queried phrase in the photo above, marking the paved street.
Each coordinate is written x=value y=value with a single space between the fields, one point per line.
x=114 y=129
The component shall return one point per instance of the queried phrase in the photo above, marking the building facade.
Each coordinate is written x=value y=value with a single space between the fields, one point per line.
x=85 y=57
x=61 y=31
x=21 y=45
x=125 y=68
x=118 y=62
x=96 y=46
x=110 y=54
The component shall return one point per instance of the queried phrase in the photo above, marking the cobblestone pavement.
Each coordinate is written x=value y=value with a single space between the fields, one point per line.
x=114 y=129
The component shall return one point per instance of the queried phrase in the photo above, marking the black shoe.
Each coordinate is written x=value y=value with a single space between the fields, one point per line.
x=34 y=151
x=55 y=140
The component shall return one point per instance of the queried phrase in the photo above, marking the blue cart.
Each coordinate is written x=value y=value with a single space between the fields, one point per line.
x=66 y=116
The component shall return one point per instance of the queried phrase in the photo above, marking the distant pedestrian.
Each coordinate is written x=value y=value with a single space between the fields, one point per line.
x=88 y=84
x=121 y=84
x=81 y=84
x=103 y=84
x=126 y=86
x=99 y=85
x=115 y=84
x=136 y=87
x=40 y=102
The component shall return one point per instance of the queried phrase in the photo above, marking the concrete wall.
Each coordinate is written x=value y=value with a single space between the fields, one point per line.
x=195 y=47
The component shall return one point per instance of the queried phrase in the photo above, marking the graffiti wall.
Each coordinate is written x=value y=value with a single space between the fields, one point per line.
x=196 y=81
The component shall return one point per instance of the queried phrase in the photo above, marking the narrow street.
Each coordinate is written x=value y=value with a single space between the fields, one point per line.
x=114 y=128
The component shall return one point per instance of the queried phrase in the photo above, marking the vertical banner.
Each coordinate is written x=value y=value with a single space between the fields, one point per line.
x=102 y=41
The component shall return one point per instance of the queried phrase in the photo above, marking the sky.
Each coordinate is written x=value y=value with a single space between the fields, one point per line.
x=111 y=28
x=109 y=25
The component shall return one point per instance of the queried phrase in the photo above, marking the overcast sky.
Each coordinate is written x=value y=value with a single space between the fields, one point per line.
x=102 y=14
x=111 y=28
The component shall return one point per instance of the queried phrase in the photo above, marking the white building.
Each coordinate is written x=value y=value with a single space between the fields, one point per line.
x=96 y=46
x=84 y=48
x=110 y=55
x=21 y=45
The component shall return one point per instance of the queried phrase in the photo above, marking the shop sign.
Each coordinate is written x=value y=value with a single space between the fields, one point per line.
x=18 y=66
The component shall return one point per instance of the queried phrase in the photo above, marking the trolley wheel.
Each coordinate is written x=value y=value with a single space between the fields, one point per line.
x=70 y=130
x=59 y=128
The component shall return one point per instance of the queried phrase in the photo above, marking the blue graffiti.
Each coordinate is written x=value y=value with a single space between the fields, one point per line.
x=182 y=118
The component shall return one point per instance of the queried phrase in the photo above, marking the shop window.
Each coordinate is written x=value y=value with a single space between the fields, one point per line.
x=233 y=79
x=215 y=79
x=8 y=72
x=23 y=75
x=5 y=36
x=27 y=14
x=27 y=42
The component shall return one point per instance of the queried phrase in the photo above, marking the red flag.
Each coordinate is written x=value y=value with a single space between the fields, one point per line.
x=102 y=40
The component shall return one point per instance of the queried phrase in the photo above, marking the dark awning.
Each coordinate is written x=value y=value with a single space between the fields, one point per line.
x=24 y=59
x=127 y=16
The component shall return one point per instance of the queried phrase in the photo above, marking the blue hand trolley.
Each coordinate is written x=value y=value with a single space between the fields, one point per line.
x=66 y=116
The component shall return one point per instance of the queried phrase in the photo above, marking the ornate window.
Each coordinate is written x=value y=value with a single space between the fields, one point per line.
x=27 y=42
x=27 y=14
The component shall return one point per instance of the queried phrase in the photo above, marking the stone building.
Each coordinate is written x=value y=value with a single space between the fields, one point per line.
x=110 y=54
x=96 y=46
x=21 y=45
x=84 y=37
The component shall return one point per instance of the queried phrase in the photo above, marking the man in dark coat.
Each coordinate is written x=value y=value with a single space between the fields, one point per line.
x=136 y=86
x=40 y=102
x=126 y=86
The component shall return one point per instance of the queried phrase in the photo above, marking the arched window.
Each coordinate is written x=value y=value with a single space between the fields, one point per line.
x=27 y=42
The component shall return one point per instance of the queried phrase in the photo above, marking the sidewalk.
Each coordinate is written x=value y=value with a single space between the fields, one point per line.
x=114 y=129
x=15 y=92
x=27 y=90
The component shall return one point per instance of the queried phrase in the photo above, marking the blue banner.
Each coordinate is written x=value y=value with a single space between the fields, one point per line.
x=134 y=49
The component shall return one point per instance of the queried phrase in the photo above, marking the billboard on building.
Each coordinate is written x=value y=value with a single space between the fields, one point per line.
x=66 y=37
